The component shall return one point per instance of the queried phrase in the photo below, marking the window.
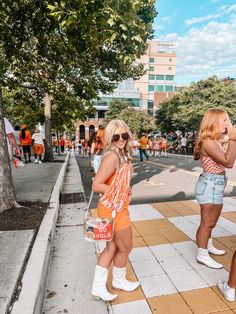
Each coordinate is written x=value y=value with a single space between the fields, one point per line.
x=151 y=88
x=151 y=60
x=170 y=59
x=151 y=77
x=160 y=88
x=170 y=77
x=150 y=104
x=151 y=68
x=169 y=88
x=170 y=68
x=160 y=77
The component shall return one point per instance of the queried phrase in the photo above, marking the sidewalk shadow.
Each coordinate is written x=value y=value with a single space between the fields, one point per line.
x=143 y=171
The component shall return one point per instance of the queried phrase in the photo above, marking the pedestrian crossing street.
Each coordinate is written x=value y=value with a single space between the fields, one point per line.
x=163 y=259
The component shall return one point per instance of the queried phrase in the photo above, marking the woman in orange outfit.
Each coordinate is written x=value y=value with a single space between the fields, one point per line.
x=26 y=141
x=113 y=182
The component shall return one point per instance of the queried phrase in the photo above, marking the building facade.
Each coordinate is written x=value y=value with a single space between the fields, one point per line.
x=146 y=94
x=158 y=82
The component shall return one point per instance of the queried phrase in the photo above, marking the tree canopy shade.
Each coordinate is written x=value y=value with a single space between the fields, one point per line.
x=75 y=47
x=185 y=110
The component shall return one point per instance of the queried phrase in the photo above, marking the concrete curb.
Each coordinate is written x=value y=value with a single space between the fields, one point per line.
x=31 y=297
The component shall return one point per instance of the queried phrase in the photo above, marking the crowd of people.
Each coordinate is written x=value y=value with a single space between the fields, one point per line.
x=21 y=142
x=110 y=154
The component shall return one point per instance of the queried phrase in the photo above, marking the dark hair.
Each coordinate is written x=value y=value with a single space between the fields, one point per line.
x=91 y=139
x=17 y=127
x=23 y=133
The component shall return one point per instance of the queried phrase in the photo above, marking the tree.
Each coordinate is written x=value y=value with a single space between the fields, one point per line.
x=185 y=110
x=137 y=121
x=80 y=45
x=115 y=108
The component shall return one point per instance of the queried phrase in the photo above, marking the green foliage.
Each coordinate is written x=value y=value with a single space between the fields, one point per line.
x=60 y=47
x=137 y=121
x=115 y=108
x=185 y=110
x=23 y=106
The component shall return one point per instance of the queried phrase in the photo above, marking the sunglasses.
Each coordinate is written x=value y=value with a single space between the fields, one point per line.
x=123 y=136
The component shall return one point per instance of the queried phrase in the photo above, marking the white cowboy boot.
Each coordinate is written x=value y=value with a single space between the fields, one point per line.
x=99 y=289
x=203 y=257
x=120 y=282
x=214 y=250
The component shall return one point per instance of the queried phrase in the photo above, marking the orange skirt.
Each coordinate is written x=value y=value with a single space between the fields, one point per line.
x=122 y=220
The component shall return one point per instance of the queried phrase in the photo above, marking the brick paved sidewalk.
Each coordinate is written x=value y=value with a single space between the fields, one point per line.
x=164 y=261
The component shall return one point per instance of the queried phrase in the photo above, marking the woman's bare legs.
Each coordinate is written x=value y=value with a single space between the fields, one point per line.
x=123 y=241
x=107 y=255
x=209 y=216
x=232 y=275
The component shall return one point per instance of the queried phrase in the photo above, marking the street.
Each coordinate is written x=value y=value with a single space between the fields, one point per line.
x=160 y=179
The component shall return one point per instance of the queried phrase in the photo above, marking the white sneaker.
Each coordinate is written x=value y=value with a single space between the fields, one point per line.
x=228 y=293
x=203 y=257
x=36 y=161
x=213 y=250
x=40 y=161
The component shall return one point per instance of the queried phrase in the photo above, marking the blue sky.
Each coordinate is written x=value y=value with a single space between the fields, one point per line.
x=205 y=35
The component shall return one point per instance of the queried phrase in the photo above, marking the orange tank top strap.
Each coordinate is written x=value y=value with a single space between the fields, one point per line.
x=116 y=195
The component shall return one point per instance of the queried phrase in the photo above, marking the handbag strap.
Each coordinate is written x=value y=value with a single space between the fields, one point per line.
x=88 y=209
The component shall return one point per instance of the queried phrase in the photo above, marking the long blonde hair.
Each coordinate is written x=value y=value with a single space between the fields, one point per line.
x=110 y=131
x=209 y=129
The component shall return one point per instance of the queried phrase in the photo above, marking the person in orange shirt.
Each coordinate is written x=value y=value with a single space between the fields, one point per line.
x=62 y=144
x=26 y=141
x=113 y=182
x=143 y=146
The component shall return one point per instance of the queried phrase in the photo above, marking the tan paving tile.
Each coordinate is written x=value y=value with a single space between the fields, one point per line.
x=229 y=242
x=161 y=224
x=180 y=208
x=230 y=216
x=192 y=205
x=160 y=206
x=134 y=231
x=169 y=304
x=122 y=295
x=231 y=305
x=173 y=234
x=138 y=242
x=168 y=212
x=223 y=312
x=94 y=212
x=155 y=239
x=224 y=259
x=145 y=227
x=203 y=301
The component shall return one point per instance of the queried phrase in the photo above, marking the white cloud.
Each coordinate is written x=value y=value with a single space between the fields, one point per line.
x=206 y=51
x=200 y=19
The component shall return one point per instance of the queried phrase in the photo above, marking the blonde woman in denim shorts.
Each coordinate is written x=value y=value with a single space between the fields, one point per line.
x=210 y=186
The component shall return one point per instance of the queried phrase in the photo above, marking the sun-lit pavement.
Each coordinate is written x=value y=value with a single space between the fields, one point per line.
x=164 y=261
x=164 y=255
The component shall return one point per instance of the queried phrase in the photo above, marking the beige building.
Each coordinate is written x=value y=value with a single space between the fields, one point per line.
x=156 y=85
x=158 y=82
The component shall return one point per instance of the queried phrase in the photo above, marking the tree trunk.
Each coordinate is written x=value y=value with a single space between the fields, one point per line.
x=7 y=194
x=48 y=128
x=59 y=148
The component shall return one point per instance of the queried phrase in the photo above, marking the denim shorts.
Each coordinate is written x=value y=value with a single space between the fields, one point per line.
x=210 y=187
